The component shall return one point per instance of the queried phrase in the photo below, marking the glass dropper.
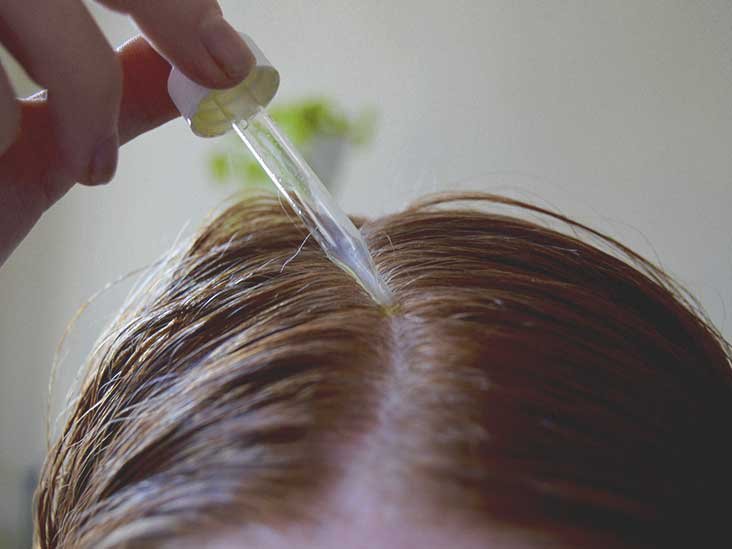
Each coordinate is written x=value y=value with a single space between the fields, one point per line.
x=302 y=188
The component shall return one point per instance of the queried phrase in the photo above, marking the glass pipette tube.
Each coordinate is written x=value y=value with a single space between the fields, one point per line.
x=302 y=188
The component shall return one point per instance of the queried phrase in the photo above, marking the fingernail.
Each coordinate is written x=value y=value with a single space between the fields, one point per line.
x=226 y=47
x=104 y=163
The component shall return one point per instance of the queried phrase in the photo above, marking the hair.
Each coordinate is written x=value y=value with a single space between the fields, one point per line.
x=522 y=376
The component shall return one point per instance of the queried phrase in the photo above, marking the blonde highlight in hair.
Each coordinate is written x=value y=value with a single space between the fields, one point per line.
x=522 y=375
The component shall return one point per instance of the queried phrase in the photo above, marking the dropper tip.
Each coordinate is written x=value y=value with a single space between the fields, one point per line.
x=357 y=260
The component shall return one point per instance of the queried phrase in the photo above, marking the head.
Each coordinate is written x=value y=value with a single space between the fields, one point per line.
x=526 y=389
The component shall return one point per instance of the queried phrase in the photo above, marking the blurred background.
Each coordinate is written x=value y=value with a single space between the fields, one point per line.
x=615 y=113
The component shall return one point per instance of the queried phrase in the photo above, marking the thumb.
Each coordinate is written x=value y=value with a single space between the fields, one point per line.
x=145 y=100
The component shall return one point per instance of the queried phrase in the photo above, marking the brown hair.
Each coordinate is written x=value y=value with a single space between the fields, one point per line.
x=522 y=376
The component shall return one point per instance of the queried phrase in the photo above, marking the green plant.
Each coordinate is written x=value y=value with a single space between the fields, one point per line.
x=303 y=121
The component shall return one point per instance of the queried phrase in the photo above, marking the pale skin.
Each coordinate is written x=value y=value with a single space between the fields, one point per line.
x=370 y=536
x=369 y=527
x=362 y=512
x=357 y=515
x=97 y=98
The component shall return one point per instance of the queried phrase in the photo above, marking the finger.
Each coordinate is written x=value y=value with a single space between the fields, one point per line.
x=9 y=113
x=31 y=171
x=193 y=35
x=29 y=176
x=34 y=158
x=145 y=100
x=61 y=47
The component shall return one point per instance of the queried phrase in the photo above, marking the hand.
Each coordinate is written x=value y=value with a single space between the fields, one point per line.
x=96 y=98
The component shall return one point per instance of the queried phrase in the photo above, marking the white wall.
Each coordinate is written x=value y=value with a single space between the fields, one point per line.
x=614 y=112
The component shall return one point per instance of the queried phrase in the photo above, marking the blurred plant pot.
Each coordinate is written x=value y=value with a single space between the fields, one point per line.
x=322 y=133
x=326 y=158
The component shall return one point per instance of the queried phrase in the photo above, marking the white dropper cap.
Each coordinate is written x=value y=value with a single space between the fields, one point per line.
x=204 y=108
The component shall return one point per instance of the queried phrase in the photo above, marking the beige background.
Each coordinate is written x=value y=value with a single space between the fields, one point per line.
x=618 y=113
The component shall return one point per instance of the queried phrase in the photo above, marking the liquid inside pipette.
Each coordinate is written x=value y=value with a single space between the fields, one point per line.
x=300 y=185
